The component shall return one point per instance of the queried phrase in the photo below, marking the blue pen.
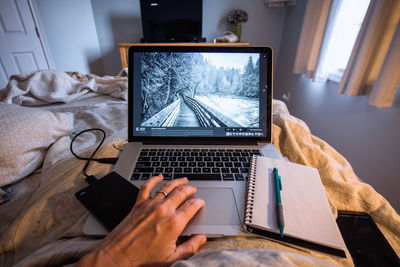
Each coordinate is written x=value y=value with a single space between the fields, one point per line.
x=279 y=207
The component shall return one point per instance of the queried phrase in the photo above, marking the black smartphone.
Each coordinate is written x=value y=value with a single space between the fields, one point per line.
x=365 y=242
x=109 y=199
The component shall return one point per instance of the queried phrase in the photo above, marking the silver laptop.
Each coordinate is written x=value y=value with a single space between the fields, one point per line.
x=200 y=113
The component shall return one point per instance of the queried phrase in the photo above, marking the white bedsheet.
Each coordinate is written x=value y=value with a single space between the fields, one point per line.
x=52 y=86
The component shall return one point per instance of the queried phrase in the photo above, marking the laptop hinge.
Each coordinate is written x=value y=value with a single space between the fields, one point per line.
x=202 y=142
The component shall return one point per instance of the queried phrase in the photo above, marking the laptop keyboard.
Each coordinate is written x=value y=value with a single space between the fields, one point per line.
x=195 y=164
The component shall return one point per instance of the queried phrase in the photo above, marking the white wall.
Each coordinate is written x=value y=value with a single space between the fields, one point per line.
x=70 y=33
x=117 y=21
x=368 y=137
x=83 y=34
x=264 y=26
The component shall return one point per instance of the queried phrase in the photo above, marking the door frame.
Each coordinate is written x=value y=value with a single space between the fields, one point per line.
x=42 y=36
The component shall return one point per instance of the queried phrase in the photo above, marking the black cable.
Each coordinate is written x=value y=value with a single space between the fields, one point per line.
x=91 y=178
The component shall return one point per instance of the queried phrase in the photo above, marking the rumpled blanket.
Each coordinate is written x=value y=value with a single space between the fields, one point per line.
x=42 y=223
x=52 y=86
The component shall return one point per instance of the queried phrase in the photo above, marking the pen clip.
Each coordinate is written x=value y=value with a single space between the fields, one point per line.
x=280 y=182
x=277 y=179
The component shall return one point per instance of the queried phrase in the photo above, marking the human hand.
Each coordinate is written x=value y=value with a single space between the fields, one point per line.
x=148 y=234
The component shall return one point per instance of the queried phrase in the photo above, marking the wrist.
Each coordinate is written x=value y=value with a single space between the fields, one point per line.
x=92 y=259
x=99 y=258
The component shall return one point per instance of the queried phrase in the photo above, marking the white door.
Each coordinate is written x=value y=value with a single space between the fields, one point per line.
x=20 y=47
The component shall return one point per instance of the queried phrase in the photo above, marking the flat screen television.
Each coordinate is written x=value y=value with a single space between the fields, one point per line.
x=171 y=20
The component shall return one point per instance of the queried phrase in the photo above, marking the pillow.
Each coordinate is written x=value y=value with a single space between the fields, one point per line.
x=25 y=135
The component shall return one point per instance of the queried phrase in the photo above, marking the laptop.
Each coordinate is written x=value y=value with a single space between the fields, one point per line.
x=199 y=112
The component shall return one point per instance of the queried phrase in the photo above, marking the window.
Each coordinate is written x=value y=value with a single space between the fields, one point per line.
x=341 y=36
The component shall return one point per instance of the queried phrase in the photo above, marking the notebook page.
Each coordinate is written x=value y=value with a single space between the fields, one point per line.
x=306 y=210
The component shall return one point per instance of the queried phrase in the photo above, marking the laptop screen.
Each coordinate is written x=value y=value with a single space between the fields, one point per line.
x=203 y=92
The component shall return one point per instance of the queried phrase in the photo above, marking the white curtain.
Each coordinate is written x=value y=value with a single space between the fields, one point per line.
x=311 y=37
x=374 y=65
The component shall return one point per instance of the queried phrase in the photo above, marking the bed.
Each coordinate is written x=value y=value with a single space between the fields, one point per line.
x=41 y=221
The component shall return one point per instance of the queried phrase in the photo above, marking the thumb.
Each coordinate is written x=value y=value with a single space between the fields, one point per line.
x=188 y=248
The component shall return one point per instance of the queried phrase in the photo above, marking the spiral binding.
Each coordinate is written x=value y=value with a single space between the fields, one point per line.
x=250 y=188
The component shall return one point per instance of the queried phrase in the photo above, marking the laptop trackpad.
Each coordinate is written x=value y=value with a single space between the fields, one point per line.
x=220 y=207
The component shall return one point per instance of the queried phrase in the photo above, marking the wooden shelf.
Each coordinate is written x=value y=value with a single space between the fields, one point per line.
x=124 y=47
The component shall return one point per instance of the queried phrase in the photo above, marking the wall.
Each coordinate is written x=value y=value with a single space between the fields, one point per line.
x=368 y=137
x=70 y=34
x=264 y=26
x=82 y=35
x=119 y=21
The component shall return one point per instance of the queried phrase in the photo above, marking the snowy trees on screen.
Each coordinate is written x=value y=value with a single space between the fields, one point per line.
x=250 y=81
x=166 y=75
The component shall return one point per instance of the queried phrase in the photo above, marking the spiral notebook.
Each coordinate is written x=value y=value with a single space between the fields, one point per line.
x=308 y=218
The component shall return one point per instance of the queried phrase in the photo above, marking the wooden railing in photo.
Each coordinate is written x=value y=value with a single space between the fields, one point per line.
x=164 y=118
x=206 y=118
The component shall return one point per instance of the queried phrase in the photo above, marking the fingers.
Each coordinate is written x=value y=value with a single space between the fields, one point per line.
x=147 y=187
x=177 y=191
x=188 y=248
x=169 y=187
x=178 y=195
x=188 y=210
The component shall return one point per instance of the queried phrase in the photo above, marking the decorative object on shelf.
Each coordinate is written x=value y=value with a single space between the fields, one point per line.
x=237 y=17
x=227 y=37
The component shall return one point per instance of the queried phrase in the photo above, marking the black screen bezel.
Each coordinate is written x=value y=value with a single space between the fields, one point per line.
x=199 y=48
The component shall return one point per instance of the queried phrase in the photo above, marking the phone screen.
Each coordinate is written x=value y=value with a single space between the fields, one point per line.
x=109 y=199
x=365 y=242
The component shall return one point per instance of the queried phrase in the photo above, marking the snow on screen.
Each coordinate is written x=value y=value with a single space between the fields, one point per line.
x=200 y=89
